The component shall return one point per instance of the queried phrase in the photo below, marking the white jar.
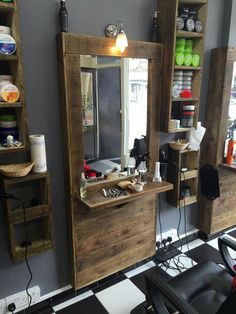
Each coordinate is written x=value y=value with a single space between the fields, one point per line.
x=5 y=30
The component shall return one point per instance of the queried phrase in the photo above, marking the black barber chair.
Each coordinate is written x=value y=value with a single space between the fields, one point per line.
x=202 y=289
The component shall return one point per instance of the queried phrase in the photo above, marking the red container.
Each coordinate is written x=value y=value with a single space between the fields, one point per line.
x=229 y=156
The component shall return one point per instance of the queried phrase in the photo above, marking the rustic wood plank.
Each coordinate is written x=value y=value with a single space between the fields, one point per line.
x=166 y=35
x=95 y=200
x=84 y=227
x=119 y=262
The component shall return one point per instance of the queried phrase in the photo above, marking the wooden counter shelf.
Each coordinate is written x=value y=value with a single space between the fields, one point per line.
x=229 y=167
x=95 y=200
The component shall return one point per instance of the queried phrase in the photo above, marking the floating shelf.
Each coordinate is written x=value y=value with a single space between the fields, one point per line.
x=190 y=174
x=36 y=186
x=192 y=1
x=8 y=58
x=181 y=130
x=186 y=34
x=31 y=213
x=188 y=200
x=184 y=99
x=4 y=104
x=184 y=67
x=36 y=247
x=6 y=6
x=11 y=150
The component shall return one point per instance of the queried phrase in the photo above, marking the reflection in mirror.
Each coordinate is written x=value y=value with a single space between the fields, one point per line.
x=114 y=100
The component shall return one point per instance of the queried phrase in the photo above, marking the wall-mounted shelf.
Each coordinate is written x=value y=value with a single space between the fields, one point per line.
x=6 y=6
x=34 y=191
x=188 y=159
x=167 y=36
x=14 y=105
x=186 y=34
x=95 y=200
x=12 y=65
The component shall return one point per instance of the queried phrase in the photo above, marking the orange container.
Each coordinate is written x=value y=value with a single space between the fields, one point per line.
x=229 y=156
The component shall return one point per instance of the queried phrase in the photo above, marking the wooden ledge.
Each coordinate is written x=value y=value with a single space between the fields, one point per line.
x=95 y=200
x=229 y=167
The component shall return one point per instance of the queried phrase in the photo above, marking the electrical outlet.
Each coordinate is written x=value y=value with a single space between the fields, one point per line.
x=170 y=233
x=3 y=308
x=21 y=299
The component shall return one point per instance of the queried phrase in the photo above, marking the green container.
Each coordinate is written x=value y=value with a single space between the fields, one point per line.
x=179 y=58
x=180 y=45
x=195 y=60
x=7 y=117
x=8 y=1
x=188 y=46
x=188 y=59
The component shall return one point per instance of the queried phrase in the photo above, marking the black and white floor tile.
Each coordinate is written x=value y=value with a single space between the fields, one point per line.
x=124 y=291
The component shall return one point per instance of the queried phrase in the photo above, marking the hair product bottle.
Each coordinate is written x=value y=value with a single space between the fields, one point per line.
x=83 y=186
x=63 y=17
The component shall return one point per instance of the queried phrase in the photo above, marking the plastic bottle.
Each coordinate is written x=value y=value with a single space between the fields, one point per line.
x=63 y=17
x=143 y=169
x=131 y=164
x=155 y=27
x=230 y=150
x=83 y=186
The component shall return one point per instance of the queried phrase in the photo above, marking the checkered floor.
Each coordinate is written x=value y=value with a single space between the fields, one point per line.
x=124 y=291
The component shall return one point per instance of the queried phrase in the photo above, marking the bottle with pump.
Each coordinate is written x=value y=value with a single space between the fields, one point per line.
x=131 y=164
x=63 y=17
x=154 y=30
x=142 y=171
x=83 y=186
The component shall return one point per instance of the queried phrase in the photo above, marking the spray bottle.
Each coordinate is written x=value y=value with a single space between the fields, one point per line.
x=142 y=169
x=131 y=163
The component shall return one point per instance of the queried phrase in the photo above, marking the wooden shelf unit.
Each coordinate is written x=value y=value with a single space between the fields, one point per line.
x=182 y=159
x=37 y=184
x=12 y=65
x=167 y=36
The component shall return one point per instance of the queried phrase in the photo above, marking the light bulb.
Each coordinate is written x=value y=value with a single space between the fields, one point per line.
x=121 y=41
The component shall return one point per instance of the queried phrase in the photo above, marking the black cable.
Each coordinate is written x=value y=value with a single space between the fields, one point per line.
x=185 y=222
x=160 y=223
x=25 y=243
x=31 y=277
x=26 y=256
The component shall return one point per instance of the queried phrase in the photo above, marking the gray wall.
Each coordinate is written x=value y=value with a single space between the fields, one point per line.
x=232 y=34
x=39 y=25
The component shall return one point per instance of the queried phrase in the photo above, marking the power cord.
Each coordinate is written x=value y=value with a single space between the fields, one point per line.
x=25 y=244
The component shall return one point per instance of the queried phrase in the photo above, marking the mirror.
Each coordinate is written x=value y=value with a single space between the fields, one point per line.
x=114 y=106
x=79 y=100
x=232 y=104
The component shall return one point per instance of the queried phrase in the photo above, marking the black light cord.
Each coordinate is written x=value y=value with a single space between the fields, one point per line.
x=26 y=255
x=25 y=243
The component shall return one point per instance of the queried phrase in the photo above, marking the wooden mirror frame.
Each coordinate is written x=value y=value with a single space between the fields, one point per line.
x=218 y=100
x=70 y=47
